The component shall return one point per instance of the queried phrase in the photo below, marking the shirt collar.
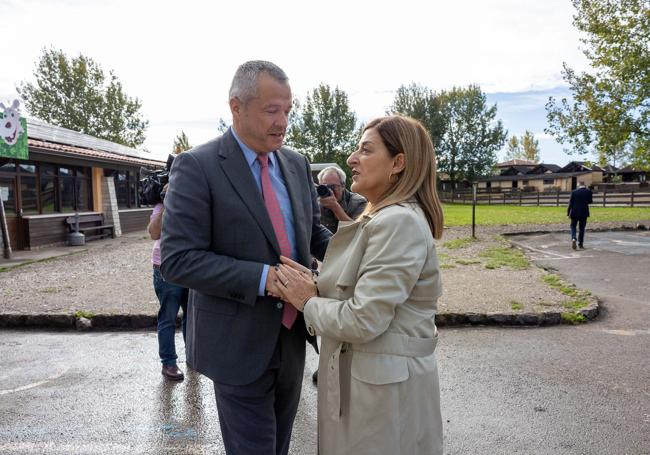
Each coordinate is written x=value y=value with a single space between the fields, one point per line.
x=249 y=154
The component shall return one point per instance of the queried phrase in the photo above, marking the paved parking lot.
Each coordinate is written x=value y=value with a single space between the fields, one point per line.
x=615 y=266
x=558 y=390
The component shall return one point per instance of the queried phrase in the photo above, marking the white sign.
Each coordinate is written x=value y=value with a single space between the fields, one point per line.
x=4 y=193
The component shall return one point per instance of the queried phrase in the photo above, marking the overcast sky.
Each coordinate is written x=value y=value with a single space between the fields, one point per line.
x=179 y=57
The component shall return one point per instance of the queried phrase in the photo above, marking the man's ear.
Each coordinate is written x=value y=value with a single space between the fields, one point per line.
x=398 y=163
x=235 y=106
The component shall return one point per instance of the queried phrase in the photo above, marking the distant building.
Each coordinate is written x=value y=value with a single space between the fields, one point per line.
x=66 y=172
x=540 y=177
x=516 y=163
x=633 y=174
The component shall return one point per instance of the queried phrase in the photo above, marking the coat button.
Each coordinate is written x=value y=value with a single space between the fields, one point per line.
x=279 y=305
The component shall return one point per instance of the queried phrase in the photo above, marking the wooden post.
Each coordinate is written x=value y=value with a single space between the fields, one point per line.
x=520 y=195
x=5 y=231
x=474 y=210
x=604 y=198
x=632 y=199
x=537 y=198
x=490 y=197
x=558 y=197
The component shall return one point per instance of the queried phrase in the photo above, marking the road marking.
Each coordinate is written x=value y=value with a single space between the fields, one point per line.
x=35 y=384
x=545 y=253
x=546 y=258
x=627 y=333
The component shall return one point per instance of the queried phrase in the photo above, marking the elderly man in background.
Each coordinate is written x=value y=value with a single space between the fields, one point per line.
x=341 y=204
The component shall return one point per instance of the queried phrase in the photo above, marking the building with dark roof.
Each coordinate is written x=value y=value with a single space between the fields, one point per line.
x=542 y=177
x=68 y=172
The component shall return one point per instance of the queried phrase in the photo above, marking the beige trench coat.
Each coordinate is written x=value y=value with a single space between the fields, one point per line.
x=378 y=390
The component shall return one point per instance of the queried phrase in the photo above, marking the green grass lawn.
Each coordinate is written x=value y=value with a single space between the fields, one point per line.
x=460 y=215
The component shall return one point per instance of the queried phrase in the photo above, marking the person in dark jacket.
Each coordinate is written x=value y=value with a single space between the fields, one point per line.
x=578 y=211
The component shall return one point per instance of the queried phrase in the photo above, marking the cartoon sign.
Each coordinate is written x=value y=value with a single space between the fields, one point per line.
x=13 y=132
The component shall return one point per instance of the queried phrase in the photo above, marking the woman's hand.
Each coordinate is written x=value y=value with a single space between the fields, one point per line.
x=295 y=286
x=297 y=267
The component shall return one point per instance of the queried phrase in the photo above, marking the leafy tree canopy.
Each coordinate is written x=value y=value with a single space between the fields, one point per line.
x=324 y=127
x=423 y=104
x=461 y=125
x=610 y=110
x=181 y=143
x=524 y=148
x=472 y=134
x=76 y=94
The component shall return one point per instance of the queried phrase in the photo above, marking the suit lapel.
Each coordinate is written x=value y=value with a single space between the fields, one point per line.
x=238 y=172
x=294 y=188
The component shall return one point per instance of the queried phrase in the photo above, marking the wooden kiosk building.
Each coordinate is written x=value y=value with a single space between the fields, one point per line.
x=68 y=172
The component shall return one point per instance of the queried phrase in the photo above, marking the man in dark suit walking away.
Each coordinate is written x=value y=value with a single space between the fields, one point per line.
x=235 y=205
x=578 y=211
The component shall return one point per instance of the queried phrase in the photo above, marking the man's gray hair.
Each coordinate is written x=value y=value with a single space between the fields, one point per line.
x=244 y=83
x=339 y=171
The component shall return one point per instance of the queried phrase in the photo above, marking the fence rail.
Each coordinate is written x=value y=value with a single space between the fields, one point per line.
x=548 y=199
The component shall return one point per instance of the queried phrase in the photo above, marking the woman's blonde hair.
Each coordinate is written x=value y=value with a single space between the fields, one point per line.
x=406 y=135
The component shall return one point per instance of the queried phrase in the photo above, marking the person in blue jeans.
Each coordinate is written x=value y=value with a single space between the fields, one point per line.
x=171 y=297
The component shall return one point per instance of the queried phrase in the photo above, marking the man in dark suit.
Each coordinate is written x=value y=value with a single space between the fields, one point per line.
x=236 y=204
x=578 y=211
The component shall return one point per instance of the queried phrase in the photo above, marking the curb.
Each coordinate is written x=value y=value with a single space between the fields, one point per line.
x=545 y=318
x=110 y=322
x=70 y=322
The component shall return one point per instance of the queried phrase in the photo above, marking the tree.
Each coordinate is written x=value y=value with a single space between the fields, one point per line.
x=324 y=127
x=75 y=94
x=423 y=104
x=181 y=143
x=222 y=126
x=526 y=148
x=514 y=149
x=530 y=147
x=610 y=110
x=468 y=146
x=458 y=122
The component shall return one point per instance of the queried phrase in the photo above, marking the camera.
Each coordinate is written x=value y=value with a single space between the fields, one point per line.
x=150 y=187
x=323 y=190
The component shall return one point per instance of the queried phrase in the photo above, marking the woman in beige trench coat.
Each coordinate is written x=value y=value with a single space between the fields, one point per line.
x=375 y=302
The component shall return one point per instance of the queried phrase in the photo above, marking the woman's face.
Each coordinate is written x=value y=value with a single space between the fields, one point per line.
x=372 y=166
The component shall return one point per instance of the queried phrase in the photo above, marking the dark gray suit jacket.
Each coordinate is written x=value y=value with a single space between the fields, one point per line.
x=216 y=237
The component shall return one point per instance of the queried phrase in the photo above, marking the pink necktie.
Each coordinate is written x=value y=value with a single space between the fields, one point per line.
x=289 y=313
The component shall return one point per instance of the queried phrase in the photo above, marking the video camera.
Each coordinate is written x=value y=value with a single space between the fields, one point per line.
x=150 y=187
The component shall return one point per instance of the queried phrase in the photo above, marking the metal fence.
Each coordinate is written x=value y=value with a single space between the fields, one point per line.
x=548 y=199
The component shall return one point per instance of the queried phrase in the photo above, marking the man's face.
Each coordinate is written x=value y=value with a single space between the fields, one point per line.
x=262 y=122
x=332 y=180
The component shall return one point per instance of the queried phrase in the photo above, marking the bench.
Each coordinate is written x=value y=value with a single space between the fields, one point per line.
x=91 y=224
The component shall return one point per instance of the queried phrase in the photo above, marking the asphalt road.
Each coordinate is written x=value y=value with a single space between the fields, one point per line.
x=555 y=390
x=614 y=265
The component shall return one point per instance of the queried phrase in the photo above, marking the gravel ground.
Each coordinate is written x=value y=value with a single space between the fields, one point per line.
x=114 y=277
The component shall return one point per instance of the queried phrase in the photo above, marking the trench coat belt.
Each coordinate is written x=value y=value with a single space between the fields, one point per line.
x=399 y=344
x=388 y=343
